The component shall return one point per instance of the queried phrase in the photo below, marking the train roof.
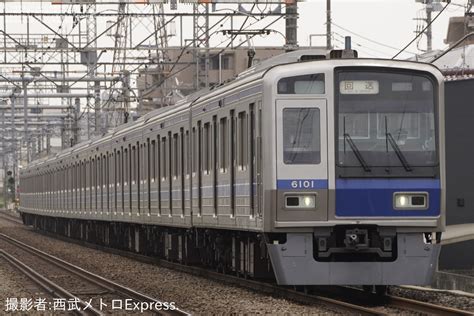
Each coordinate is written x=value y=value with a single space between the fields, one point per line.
x=254 y=73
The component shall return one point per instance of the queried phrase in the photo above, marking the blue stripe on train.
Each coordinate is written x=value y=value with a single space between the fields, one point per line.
x=374 y=197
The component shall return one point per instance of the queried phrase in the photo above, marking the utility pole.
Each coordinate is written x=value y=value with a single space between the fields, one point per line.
x=201 y=44
x=75 y=124
x=291 y=26
x=429 y=34
x=328 y=25
x=430 y=7
x=25 y=111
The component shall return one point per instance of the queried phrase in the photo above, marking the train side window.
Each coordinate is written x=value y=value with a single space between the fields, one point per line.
x=109 y=174
x=306 y=84
x=125 y=169
x=134 y=165
x=105 y=164
x=199 y=150
x=140 y=166
x=90 y=174
x=223 y=159
x=152 y=161
x=186 y=156
x=130 y=175
x=138 y=171
x=169 y=170
x=180 y=153
x=163 y=158
x=194 y=151
x=148 y=151
x=157 y=164
x=98 y=172
x=119 y=169
x=175 y=156
x=115 y=178
x=97 y=176
x=301 y=136
x=242 y=140
x=207 y=148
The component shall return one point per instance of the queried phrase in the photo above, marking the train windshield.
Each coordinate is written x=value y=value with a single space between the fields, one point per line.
x=386 y=123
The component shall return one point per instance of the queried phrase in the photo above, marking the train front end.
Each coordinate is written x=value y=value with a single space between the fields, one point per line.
x=358 y=182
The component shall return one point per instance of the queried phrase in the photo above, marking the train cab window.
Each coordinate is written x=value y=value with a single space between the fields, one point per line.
x=301 y=136
x=396 y=114
x=306 y=84
x=357 y=125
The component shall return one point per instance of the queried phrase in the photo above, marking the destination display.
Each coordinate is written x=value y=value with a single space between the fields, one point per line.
x=359 y=87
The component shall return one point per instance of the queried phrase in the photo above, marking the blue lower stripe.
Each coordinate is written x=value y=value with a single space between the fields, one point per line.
x=374 y=197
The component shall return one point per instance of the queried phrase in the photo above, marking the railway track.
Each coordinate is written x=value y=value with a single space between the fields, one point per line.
x=397 y=302
x=52 y=288
x=423 y=307
x=10 y=218
x=352 y=301
x=93 y=284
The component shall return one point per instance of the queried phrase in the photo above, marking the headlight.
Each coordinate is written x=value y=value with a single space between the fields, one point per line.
x=300 y=201
x=412 y=201
x=401 y=200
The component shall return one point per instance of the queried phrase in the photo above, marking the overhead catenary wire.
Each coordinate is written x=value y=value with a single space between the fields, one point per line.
x=359 y=45
x=183 y=50
x=422 y=32
x=368 y=39
x=185 y=67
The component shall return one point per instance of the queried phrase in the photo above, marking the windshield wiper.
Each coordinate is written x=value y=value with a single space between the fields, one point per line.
x=357 y=153
x=398 y=151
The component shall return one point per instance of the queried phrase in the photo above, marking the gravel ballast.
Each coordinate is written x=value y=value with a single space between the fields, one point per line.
x=190 y=293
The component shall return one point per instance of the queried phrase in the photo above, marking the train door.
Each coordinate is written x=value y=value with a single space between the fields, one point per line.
x=197 y=169
x=176 y=171
x=302 y=167
x=222 y=171
x=165 y=197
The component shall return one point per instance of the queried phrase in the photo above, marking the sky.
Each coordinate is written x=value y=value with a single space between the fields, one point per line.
x=379 y=28
x=372 y=24
x=390 y=22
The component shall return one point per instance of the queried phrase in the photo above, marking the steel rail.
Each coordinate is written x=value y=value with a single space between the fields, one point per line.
x=52 y=288
x=10 y=218
x=273 y=289
x=424 y=307
x=256 y=286
x=89 y=276
x=398 y=302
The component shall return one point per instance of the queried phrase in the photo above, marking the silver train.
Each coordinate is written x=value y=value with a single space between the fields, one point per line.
x=307 y=169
